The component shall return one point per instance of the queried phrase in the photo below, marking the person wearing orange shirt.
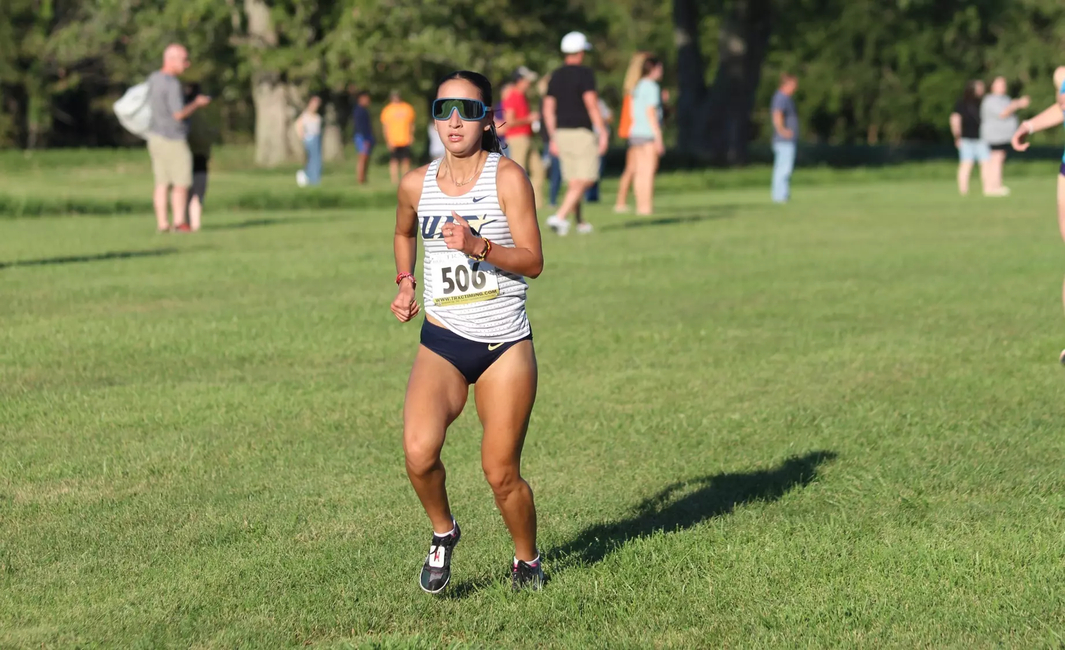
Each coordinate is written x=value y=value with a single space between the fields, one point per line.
x=398 y=121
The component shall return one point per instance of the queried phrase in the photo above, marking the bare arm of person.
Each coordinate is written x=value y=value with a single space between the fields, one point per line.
x=656 y=129
x=510 y=116
x=778 y=124
x=591 y=102
x=955 y=127
x=1048 y=119
x=551 y=121
x=1018 y=104
x=192 y=107
x=405 y=242
x=299 y=126
x=526 y=257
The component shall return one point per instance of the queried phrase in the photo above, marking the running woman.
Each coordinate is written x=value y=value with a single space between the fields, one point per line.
x=1049 y=118
x=476 y=213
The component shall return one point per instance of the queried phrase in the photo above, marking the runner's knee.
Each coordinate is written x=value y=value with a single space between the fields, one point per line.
x=503 y=479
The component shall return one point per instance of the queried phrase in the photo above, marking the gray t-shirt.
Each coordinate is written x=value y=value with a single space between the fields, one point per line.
x=993 y=128
x=166 y=98
x=786 y=105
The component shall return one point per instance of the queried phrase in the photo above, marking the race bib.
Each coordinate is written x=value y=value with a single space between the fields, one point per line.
x=458 y=280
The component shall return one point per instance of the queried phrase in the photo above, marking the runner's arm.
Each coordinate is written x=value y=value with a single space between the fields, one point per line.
x=1049 y=118
x=405 y=240
x=526 y=257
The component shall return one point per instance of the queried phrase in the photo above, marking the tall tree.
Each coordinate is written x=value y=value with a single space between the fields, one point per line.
x=714 y=119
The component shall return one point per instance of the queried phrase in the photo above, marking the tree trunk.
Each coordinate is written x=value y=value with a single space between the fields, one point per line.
x=332 y=135
x=691 y=76
x=714 y=123
x=270 y=92
x=742 y=45
x=272 y=120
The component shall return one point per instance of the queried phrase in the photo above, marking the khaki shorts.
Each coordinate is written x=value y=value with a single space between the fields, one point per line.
x=578 y=153
x=171 y=161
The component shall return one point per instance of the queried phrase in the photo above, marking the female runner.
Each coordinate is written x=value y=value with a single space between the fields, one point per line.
x=477 y=217
x=1049 y=118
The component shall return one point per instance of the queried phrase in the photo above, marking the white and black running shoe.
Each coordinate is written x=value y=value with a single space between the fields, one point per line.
x=436 y=573
x=524 y=575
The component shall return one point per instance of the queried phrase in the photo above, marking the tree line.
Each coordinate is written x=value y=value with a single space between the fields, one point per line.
x=871 y=71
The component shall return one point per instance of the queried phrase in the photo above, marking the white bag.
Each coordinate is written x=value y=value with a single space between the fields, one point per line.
x=133 y=111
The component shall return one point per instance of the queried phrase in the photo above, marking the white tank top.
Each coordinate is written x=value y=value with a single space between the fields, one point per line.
x=472 y=299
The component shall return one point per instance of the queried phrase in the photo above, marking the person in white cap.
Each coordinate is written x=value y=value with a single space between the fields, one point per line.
x=572 y=118
x=520 y=119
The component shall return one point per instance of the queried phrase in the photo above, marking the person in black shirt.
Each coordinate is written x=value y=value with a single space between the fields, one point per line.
x=571 y=112
x=965 y=126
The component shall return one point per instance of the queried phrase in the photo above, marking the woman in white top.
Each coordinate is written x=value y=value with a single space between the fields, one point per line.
x=309 y=129
x=476 y=213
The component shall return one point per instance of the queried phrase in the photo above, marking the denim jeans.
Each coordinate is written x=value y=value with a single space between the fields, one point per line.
x=554 y=178
x=591 y=195
x=783 y=164
x=313 y=145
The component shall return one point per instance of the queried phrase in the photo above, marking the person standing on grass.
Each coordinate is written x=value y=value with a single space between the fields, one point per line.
x=519 y=120
x=572 y=118
x=645 y=134
x=397 y=118
x=309 y=129
x=965 y=126
x=785 y=136
x=1052 y=116
x=998 y=123
x=167 y=137
x=476 y=213
x=364 y=140
x=202 y=136
x=633 y=75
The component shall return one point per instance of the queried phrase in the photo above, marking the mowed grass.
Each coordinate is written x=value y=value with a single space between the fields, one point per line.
x=837 y=423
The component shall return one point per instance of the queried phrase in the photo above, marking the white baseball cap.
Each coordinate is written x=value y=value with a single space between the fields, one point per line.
x=575 y=42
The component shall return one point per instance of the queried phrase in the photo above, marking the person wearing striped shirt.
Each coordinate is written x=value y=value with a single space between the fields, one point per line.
x=476 y=213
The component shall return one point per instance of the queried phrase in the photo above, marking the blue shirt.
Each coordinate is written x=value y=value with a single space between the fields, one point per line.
x=645 y=95
x=785 y=105
x=363 y=126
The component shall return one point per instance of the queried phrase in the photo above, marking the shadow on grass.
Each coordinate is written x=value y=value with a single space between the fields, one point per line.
x=717 y=212
x=101 y=257
x=685 y=504
x=466 y=588
x=280 y=221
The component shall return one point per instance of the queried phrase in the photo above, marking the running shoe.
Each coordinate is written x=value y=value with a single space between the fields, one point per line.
x=558 y=224
x=436 y=572
x=584 y=228
x=527 y=576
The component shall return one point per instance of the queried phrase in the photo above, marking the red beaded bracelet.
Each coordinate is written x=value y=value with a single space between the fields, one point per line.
x=407 y=276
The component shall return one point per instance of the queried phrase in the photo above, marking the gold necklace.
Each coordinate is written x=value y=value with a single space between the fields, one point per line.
x=451 y=173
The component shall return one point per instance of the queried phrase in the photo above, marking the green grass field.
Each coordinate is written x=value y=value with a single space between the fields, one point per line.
x=836 y=423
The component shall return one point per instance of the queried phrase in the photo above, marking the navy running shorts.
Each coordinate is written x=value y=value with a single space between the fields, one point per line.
x=471 y=358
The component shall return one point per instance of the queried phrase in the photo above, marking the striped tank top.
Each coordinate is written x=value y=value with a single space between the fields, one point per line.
x=472 y=299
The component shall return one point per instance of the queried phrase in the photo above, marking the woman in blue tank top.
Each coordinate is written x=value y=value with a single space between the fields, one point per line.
x=1053 y=116
x=475 y=331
